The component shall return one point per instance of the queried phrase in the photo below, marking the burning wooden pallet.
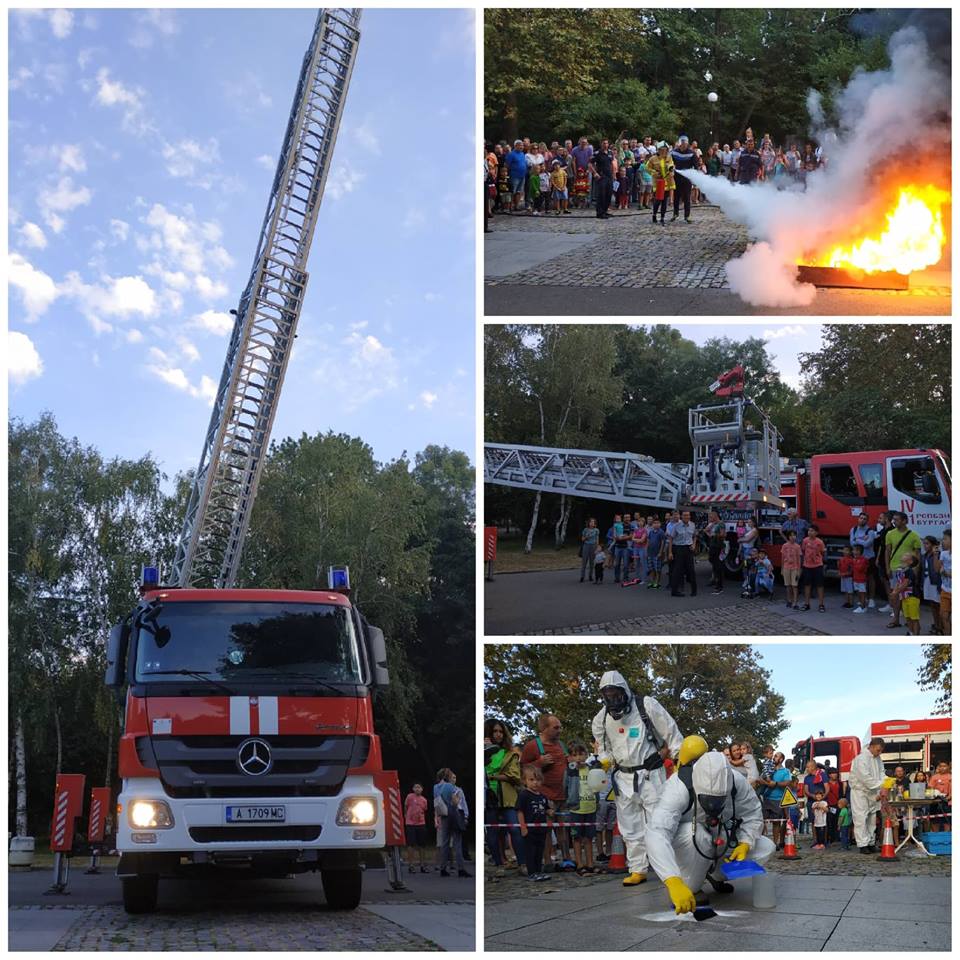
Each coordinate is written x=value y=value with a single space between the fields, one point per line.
x=841 y=277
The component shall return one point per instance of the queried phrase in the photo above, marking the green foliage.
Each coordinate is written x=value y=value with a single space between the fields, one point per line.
x=718 y=691
x=937 y=673
x=558 y=73
x=81 y=527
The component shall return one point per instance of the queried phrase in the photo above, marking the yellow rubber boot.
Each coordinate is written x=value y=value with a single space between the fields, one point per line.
x=634 y=879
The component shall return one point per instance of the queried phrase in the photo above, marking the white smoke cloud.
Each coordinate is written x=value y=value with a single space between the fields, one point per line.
x=880 y=114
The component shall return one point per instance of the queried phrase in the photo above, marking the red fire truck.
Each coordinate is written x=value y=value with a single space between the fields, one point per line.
x=917 y=744
x=833 y=489
x=249 y=738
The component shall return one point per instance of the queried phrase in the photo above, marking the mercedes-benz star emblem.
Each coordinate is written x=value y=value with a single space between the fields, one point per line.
x=254 y=758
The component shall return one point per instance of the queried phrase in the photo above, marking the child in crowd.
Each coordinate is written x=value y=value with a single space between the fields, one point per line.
x=819 y=821
x=844 y=822
x=544 y=189
x=908 y=589
x=845 y=569
x=945 y=568
x=533 y=810
x=640 y=536
x=581 y=806
x=763 y=575
x=599 y=559
x=790 y=557
x=415 y=821
x=558 y=182
x=626 y=183
x=655 y=543
x=535 y=189
x=644 y=186
x=861 y=570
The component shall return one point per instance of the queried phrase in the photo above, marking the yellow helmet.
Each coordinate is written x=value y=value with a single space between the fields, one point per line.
x=692 y=748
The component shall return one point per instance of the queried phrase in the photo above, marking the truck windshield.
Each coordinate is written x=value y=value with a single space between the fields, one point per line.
x=237 y=640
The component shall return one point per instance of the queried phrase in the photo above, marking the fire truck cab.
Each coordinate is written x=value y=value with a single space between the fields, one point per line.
x=833 y=489
x=249 y=738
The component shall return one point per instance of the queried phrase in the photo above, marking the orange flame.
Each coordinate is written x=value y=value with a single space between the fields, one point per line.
x=912 y=239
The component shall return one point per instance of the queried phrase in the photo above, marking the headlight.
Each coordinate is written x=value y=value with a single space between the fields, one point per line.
x=357 y=811
x=150 y=813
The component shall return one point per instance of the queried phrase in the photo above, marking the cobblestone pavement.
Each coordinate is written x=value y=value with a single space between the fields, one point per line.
x=296 y=927
x=745 y=619
x=630 y=251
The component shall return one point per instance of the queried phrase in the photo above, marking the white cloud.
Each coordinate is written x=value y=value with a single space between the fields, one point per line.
x=61 y=23
x=153 y=23
x=134 y=336
x=208 y=389
x=111 y=93
x=61 y=198
x=245 y=93
x=23 y=361
x=365 y=362
x=171 y=375
x=185 y=158
x=367 y=139
x=98 y=325
x=33 y=236
x=37 y=289
x=120 y=229
x=208 y=289
x=213 y=321
x=71 y=157
x=114 y=297
x=343 y=180
x=177 y=378
x=266 y=161
x=19 y=79
x=184 y=245
x=428 y=399
x=778 y=332
x=188 y=350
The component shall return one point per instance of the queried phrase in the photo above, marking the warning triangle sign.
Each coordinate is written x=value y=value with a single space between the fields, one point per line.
x=789 y=800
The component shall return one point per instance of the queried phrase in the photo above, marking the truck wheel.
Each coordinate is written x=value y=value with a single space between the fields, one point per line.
x=140 y=893
x=342 y=888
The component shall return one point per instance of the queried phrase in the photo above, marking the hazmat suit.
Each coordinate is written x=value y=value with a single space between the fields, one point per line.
x=633 y=750
x=866 y=779
x=706 y=814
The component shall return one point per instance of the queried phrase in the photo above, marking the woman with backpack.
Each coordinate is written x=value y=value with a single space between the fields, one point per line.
x=502 y=769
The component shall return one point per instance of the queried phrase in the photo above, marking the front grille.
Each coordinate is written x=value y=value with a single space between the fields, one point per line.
x=206 y=766
x=305 y=833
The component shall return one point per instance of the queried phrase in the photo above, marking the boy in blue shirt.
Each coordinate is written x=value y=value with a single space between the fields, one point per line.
x=655 y=539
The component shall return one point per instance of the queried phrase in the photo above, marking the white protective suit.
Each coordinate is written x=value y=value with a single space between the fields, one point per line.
x=670 y=831
x=866 y=778
x=627 y=742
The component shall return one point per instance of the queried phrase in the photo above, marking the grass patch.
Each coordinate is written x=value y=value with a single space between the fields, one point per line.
x=544 y=556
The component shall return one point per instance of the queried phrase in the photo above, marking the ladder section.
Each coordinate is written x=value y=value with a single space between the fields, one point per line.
x=620 y=477
x=735 y=454
x=235 y=446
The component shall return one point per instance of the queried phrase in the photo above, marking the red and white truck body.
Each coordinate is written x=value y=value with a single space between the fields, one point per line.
x=249 y=735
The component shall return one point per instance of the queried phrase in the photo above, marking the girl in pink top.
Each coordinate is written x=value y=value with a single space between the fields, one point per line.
x=415 y=818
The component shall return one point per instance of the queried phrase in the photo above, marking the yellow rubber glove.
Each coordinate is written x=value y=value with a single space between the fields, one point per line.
x=888 y=783
x=681 y=895
x=606 y=763
x=739 y=852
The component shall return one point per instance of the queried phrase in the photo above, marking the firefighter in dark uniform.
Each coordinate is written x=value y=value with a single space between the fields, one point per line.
x=750 y=164
x=603 y=166
x=683 y=158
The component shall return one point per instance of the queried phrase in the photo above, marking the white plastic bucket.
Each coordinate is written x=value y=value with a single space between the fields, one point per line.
x=764 y=891
x=21 y=851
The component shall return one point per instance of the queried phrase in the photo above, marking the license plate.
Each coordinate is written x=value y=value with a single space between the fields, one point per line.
x=252 y=814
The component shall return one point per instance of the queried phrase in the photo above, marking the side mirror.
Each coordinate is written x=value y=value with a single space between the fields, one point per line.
x=378 y=656
x=114 y=676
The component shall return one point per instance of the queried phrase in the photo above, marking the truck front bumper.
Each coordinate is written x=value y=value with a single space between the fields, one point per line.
x=200 y=825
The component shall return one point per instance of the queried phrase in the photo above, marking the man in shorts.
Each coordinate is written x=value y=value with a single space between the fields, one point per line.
x=516 y=161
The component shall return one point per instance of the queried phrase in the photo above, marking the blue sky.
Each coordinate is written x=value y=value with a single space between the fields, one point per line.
x=784 y=341
x=143 y=146
x=841 y=688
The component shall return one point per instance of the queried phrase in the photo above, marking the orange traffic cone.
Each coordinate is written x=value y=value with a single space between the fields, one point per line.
x=790 y=844
x=887 y=852
x=618 y=853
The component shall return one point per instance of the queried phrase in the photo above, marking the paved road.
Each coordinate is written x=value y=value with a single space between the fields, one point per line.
x=814 y=913
x=581 y=266
x=556 y=602
x=234 y=912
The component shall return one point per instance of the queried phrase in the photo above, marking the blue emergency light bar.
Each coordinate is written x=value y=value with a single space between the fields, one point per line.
x=338 y=578
x=150 y=577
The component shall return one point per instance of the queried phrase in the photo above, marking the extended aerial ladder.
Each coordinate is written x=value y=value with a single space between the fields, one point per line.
x=736 y=462
x=235 y=446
